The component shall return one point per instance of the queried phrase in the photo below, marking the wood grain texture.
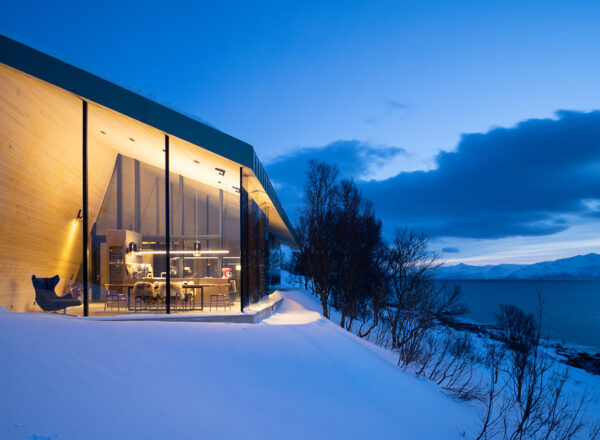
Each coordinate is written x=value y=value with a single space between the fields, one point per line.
x=41 y=180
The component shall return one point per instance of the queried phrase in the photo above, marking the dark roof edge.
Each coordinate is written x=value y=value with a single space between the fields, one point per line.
x=122 y=100
x=261 y=175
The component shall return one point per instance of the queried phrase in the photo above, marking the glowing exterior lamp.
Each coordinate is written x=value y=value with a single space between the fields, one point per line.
x=197 y=248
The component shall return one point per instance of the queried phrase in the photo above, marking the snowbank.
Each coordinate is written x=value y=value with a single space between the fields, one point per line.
x=294 y=376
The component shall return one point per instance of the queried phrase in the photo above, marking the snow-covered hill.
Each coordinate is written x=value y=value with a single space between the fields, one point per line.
x=293 y=376
x=585 y=267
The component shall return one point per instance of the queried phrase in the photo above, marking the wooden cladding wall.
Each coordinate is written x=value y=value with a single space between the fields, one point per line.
x=41 y=181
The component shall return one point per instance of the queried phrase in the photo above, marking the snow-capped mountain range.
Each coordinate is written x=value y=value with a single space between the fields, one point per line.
x=584 y=267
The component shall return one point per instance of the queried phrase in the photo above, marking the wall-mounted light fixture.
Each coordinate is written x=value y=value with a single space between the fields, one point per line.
x=132 y=247
x=221 y=171
x=80 y=214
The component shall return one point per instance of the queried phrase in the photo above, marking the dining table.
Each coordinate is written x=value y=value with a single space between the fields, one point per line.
x=128 y=286
x=195 y=286
x=184 y=285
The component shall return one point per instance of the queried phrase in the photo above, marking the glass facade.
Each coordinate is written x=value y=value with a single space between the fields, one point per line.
x=171 y=226
x=275 y=263
x=127 y=216
x=260 y=249
x=205 y=227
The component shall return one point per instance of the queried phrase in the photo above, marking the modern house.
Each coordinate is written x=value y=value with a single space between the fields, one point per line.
x=136 y=207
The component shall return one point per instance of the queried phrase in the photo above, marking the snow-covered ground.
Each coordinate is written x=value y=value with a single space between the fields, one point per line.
x=293 y=376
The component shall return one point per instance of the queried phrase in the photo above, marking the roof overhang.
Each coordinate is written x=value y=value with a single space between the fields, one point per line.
x=96 y=89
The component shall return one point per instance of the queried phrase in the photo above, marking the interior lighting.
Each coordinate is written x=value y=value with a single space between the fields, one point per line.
x=207 y=252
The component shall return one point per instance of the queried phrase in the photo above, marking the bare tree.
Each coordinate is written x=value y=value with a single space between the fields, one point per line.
x=359 y=280
x=316 y=230
x=340 y=255
x=416 y=301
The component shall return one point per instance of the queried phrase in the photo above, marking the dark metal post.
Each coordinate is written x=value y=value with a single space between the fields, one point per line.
x=207 y=233
x=221 y=230
x=138 y=209
x=119 y=192
x=243 y=241
x=181 y=209
x=85 y=227
x=167 y=226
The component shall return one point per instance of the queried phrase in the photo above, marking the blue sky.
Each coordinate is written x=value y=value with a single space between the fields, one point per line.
x=382 y=88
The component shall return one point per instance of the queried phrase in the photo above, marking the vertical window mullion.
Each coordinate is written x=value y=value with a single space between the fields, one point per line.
x=243 y=241
x=167 y=227
x=85 y=207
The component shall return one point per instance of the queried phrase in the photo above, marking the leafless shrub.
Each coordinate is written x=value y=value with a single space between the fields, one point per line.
x=526 y=396
x=495 y=406
x=449 y=360
x=520 y=334
x=594 y=431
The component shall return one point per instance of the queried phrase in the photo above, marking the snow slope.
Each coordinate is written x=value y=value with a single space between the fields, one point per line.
x=294 y=376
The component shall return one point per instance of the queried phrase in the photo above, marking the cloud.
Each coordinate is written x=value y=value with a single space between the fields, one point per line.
x=353 y=158
x=390 y=106
x=537 y=178
x=506 y=182
x=451 y=250
x=394 y=105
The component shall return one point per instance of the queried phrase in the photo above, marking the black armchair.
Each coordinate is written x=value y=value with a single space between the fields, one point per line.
x=46 y=297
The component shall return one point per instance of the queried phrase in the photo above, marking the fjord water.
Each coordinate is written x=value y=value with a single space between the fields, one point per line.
x=571 y=307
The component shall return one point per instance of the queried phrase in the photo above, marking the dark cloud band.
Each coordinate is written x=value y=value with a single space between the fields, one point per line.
x=518 y=181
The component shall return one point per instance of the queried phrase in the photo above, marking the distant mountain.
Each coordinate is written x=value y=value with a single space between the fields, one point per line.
x=582 y=267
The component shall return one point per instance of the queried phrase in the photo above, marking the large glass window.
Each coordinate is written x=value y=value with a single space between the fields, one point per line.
x=205 y=229
x=256 y=243
x=40 y=200
x=275 y=263
x=127 y=217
